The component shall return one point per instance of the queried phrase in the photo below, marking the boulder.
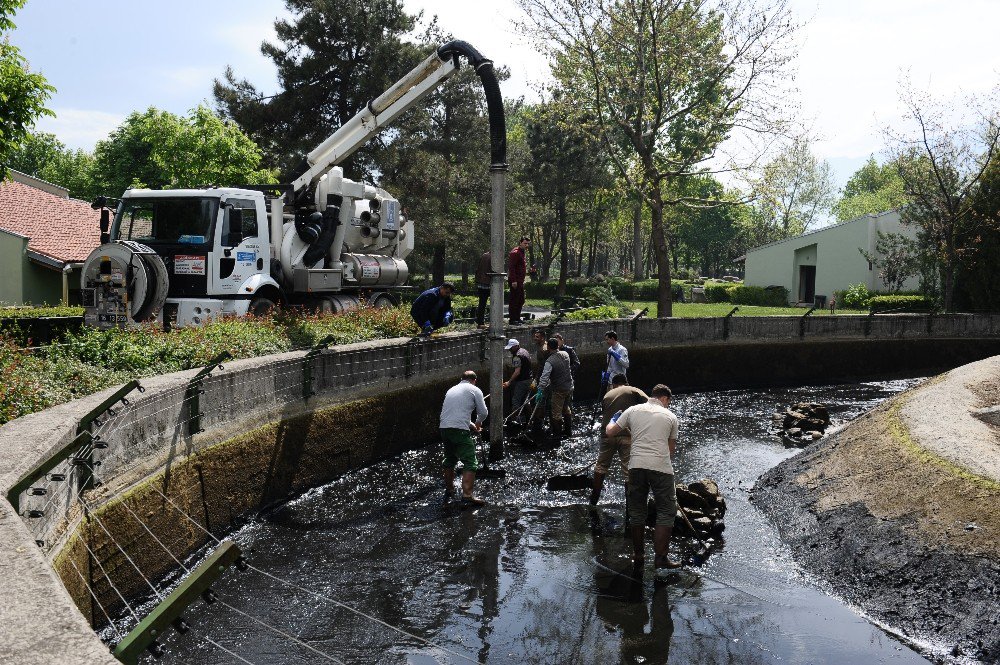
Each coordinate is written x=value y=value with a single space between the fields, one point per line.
x=692 y=500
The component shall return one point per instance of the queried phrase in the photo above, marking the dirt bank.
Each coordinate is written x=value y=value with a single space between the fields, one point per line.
x=900 y=514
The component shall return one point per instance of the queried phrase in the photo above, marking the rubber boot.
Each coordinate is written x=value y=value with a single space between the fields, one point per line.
x=595 y=492
x=638 y=543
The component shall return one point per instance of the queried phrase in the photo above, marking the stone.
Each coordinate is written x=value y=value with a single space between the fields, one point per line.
x=702 y=524
x=707 y=488
x=793 y=431
x=815 y=435
x=692 y=500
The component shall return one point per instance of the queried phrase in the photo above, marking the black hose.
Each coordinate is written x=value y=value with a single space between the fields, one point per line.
x=331 y=220
x=494 y=100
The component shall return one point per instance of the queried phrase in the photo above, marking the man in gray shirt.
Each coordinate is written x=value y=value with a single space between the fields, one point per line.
x=654 y=439
x=557 y=375
x=455 y=425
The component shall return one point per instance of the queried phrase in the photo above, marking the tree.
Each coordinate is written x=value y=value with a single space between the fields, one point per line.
x=160 y=150
x=668 y=81
x=708 y=234
x=794 y=188
x=44 y=156
x=896 y=257
x=23 y=94
x=565 y=163
x=978 y=282
x=872 y=189
x=333 y=57
x=942 y=166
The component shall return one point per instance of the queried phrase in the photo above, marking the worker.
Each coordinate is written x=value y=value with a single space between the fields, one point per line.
x=517 y=268
x=541 y=352
x=574 y=357
x=617 y=357
x=459 y=446
x=620 y=397
x=520 y=379
x=654 y=441
x=557 y=376
x=432 y=308
x=483 y=270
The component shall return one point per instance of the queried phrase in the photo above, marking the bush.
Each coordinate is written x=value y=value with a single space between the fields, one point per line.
x=772 y=296
x=35 y=312
x=855 y=297
x=905 y=303
x=592 y=313
x=717 y=292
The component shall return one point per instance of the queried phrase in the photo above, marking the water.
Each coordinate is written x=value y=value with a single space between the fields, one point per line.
x=536 y=577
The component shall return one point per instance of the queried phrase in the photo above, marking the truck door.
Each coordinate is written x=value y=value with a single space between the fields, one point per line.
x=242 y=249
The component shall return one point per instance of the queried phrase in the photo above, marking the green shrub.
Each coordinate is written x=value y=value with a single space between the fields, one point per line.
x=741 y=294
x=897 y=302
x=717 y=292
x=601 y=312
x=855 y=297
x=36 y=312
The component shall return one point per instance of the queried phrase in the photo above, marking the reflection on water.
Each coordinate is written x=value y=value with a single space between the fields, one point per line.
x=537 y=577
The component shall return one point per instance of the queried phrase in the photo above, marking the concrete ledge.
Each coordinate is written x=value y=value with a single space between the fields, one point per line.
x=286 y=442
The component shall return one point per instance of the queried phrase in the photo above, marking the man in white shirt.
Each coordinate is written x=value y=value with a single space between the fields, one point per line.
x=654 y=428
x=459 y=403
x=617 y=359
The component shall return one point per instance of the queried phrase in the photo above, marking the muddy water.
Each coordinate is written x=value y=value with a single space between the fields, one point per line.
x=535 y=577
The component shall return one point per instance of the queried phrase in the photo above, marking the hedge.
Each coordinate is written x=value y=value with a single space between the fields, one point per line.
x=717 y=292
x=772 y=296
x=906 y=303
x=623 y=290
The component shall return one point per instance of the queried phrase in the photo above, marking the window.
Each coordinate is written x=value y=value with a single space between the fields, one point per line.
x=168 y=220
x=249 y=209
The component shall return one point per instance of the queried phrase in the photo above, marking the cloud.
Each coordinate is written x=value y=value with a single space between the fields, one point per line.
x=80 y=128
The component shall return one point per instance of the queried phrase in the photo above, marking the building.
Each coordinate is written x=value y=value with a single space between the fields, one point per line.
x=44 y=238
x=826 y=260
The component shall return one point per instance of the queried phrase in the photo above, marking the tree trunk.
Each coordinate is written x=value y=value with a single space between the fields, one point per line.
x=638 y=273
x=437 y=264
x=465 y=276
x=664 y=297
x=563 y=246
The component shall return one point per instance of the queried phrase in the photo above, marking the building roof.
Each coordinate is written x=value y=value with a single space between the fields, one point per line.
x=60 y=229
x=867 y=217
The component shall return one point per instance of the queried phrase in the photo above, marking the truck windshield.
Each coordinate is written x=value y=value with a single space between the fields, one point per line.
x=168 y=220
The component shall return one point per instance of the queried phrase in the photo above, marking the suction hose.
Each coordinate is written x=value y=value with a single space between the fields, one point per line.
x=491 y=86
x=331 y=220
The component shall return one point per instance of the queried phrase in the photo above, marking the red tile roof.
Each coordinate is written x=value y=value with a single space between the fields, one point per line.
x=63 y=229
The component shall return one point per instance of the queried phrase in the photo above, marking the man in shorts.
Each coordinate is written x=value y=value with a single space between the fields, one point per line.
x=620 y=397
x=653 y=427
x=459 y=446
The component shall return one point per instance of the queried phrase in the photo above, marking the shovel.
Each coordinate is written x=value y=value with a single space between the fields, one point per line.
x=485 y=471
x=571 y=481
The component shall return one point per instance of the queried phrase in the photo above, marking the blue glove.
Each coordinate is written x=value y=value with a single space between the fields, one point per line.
x=605 y=378
x=428 y=328
x=448 y=316
x=539 y=395
x=614 y=418
x=614 y=354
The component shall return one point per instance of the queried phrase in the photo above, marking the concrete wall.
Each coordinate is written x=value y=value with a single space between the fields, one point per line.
x=836 y=257
x=263 y=442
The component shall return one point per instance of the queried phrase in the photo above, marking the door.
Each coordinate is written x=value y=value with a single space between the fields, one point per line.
x=807 y=283
x=237 y=262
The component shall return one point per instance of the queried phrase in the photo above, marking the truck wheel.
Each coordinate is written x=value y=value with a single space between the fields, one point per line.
x=261 y=306
x=382 y=300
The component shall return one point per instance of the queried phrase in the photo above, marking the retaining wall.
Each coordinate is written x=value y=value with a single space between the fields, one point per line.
x=263 y=441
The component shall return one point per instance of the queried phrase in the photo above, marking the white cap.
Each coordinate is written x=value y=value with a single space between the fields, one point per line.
x=511 y=343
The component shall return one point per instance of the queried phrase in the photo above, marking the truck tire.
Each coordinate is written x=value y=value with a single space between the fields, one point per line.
x=261 y=307
x=382 y=300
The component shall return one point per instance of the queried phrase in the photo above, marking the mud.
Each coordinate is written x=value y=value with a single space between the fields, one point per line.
x=907 y=537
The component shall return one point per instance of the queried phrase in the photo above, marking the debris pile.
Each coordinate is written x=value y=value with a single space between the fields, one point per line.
x=802 y=423
x=701 y=507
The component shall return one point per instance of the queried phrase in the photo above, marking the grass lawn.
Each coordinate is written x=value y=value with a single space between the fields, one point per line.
x=693 y=310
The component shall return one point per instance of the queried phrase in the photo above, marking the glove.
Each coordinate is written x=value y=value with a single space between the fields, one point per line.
x=448 y=316
x=428 y=328
x=614 y=354
x=605 y=378
x=539 y=395
x=533 y=385
x=614 y=418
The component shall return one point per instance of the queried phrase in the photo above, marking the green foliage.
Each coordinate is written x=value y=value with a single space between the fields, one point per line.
x=160 y=150
x=906 y=303
x=601 y=312
x=20 y=385
x=855 y=297
x=36 y=312
x=23 y=94
x=717 y=292
x=794 y=188
x=332 y=58
x=871 y=190
x=43 y=156
x=741 y=294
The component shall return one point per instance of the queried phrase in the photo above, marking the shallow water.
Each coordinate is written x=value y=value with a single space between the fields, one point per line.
x=536 y=577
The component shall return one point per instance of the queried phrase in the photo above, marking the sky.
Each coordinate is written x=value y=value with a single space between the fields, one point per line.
x=107 y=58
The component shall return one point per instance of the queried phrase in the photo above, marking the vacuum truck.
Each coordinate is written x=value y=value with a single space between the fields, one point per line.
x=182 y=257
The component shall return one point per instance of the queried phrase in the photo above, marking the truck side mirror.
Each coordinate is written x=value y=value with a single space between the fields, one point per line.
x=105 y=225
x=235 y=235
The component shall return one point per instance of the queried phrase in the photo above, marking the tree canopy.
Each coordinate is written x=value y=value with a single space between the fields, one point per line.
x=23 y=93
x=873 y=188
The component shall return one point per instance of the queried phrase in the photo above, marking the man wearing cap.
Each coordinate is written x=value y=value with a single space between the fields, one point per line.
x=653 y=427
x=520 y=380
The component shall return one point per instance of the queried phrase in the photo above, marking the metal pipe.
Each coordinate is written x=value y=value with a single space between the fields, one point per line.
x=497 y=338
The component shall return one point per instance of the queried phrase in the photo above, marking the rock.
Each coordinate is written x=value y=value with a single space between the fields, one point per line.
x=814 y=435
x=702 y=524
x=706 y=488
x=692 y=500
x=793 y=431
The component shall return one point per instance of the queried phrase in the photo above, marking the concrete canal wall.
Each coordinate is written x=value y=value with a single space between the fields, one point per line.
x=253 y=439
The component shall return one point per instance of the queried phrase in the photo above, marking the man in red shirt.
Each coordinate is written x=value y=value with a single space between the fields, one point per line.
x=517 y=268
